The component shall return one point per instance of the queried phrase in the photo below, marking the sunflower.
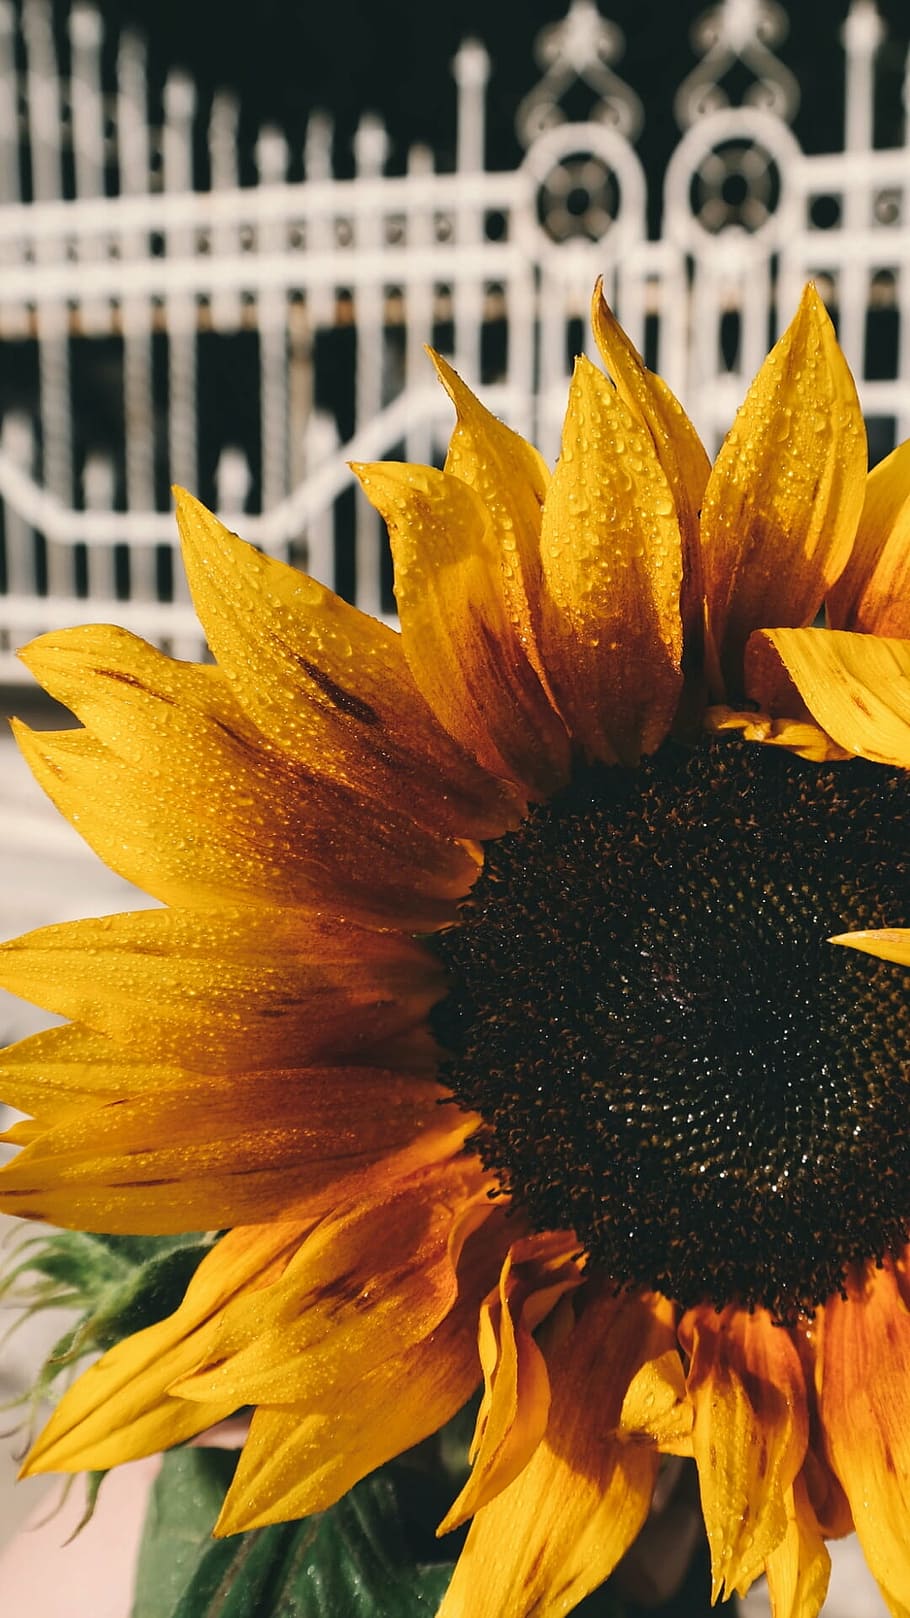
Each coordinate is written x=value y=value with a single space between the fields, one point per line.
x=527 y=1002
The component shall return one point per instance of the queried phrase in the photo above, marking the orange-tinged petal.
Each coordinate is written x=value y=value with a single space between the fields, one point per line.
x=369 y=1282
x=225 y=1153
x=301 y=1459
x=887 y=943
x=864 y=1401
x=120 y=1408
x=462 y=647
x=561 y=1527
x=784 y=498
x=330 y=685
x=512 y=1419
x=511 y=478
x=799 y=1567
x=800 y=736
x=749 y=1435
x=873 y=592
x=610 y=631
x=231 y=989
x=679 y=448
x=240 y=821
x=856 y=686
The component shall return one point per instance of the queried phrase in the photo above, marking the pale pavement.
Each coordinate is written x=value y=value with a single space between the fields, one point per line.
x=47 y=874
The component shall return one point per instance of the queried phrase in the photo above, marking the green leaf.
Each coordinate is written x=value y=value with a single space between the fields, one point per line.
x=361 y=1559
x=185 y=1500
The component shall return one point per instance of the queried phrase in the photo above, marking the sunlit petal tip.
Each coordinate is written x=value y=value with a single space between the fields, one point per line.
x=888 y=943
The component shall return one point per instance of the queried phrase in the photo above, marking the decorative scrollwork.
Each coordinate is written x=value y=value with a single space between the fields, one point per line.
x=738 y=31
x=579 y=49
x=736 y=186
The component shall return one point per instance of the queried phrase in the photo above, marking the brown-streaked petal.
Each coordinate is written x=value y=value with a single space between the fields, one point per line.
x=330 y=685
x=799 y=1568
x=679 y=449
x=372 y=1279
x=873 y=592
x=561 y=1527
x=463 y=650
x=749 y=1435
x=610 y=630
x=512 y=1419
x=178 y=791
x=864 y=1400
x=857 y=687
x=511 y=478
x=229 y=1152
x=233 y=989
x=120 y=1408
x=783 y=500
x=301 y=1459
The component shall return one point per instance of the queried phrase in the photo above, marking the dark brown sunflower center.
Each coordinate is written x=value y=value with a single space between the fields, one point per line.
x=668 y=1055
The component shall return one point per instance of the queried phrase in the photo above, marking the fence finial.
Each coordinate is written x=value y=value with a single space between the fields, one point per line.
x=738 y=31
x=581 y=47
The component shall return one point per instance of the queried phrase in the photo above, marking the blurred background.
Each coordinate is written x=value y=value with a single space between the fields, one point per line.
x=226 y=235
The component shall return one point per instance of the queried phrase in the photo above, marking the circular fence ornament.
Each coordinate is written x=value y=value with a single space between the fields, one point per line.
x=730 y=175
x=587 y=184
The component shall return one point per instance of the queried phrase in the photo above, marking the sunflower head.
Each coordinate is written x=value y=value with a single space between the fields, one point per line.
x=528 y=997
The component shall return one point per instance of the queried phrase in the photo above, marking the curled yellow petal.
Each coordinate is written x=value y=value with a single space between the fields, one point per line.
x=512 y=1419
x=857 y=687
x=560 y=1528
x=864 y=1403
x=799 y=1567
x=749 y=1435
x=784 y=498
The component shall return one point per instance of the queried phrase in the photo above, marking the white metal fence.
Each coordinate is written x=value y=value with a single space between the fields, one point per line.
x=127 y=256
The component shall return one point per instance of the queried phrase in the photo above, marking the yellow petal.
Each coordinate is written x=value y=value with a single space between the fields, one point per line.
x=873 y=592
x=799 y=1568
x=231 y=989
x=537 y=1272
x=560 y=1528
x=239 y=820
x=369 y=1282
x=120 y=1408
x=864 y=1402
x=62 y=1071
x=656 y=1409
x=462 y=647
x=301 y=1459
x=783 y=501
x=610 y=634
x=330 y=685
x=749 y=1436
x=856 y=686
x=679 y=448
x=799 y=736
x=511 y=479
x=888 y=943
x=221 y=1153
